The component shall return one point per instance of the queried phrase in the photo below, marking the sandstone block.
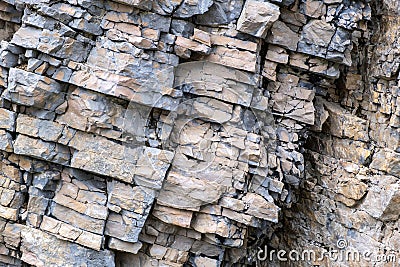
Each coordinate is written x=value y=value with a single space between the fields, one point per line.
x=130 y=198
x=173 y=216
x=192 y=45
x=76 y=219
x=206 y=223
x=43 y=129
x=117 y=244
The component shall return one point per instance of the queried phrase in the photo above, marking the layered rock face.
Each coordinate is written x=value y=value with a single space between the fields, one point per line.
x=195 y=133
x=350 y=191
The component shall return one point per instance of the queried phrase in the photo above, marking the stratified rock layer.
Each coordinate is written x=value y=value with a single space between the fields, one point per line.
x=193 y=133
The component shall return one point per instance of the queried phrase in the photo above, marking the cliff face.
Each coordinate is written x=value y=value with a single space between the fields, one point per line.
x=198 y=133
x=350 y=193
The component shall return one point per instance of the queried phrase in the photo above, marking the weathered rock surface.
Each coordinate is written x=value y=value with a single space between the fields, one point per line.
x=257 y=17
x=195 y=132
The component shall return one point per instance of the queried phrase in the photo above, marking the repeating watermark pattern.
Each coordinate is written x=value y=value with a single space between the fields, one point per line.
x=341 y=253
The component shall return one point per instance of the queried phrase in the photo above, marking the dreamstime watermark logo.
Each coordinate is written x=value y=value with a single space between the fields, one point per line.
x=341 y=253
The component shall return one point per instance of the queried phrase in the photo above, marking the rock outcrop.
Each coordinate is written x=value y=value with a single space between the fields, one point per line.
x=196 y=133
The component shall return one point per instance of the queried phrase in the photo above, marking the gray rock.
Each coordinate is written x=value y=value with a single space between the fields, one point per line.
x=6 y=141
x=182 y=28
x=7 y=120
x=46 y=180
x=8 y=59
x=341 y=42
x=86 y=26
x=194 y=7
x=166 y=7
x=221 y=12
x=142 y=4
x=29 y=89
x=155 y=21
x=315 y=38
x=257 y=17
x=282 y=35
x=42 y=150
x=40 y=249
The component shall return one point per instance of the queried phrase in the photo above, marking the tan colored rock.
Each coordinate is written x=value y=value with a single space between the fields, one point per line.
x=192 y=45
x=50 y=225
x=343 y=124
x=269 y=70
x=314 y=9
x=239 y=217
x=129 y=198
x=206 y=223
x=188 y=193
x=173 y=216
x=205 y=262
x=232 y=203
x=386 y=160
x=7 y=119
x=261 y=208
x=277 y=54
x=69 y=189
x=243 y=60
x=69 y=231
x=352 y=188
x=299 y=110
x=45 y=130
x=209 y=79
x=78 y=220
x=382 y=202
x=202 y=37
x=8 y=213
x=233 y=42
x=116 y=244
x=37 y=148
x=105 y=157
x=90 y=240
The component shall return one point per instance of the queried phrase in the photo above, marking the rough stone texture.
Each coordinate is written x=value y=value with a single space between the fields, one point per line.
x=197 y=132
x=257 y=18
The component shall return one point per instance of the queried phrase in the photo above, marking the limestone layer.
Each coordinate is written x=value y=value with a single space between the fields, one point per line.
x=195 y=132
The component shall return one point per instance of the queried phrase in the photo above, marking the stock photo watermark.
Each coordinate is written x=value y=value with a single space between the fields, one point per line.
x=341 y=253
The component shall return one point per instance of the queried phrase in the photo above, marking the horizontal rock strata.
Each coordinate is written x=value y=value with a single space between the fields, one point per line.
x=192 y=133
